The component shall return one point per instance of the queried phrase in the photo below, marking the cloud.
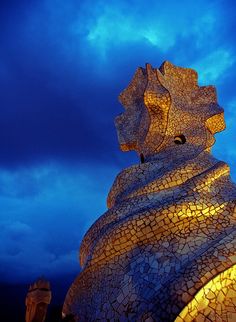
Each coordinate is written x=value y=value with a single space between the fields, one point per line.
x=159 y=25
x=213 y=67
x=41 y=232
x=62 y=66
x=73 y=59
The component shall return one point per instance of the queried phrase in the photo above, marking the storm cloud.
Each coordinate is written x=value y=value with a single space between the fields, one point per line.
x=62 y=66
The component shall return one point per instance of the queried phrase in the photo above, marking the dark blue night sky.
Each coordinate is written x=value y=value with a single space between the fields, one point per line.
x=62 y=66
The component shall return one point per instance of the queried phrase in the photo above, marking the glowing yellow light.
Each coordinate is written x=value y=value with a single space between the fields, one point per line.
x=218 y=293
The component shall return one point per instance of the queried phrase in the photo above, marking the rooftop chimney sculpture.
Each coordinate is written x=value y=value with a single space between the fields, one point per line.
x=165 y=250
x=37 y=301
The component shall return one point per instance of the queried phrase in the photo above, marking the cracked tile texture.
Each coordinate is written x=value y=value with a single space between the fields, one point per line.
x=165 y=249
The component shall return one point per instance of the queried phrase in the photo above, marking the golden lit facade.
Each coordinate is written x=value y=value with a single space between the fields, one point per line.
x=216 y=301
x=165 y=250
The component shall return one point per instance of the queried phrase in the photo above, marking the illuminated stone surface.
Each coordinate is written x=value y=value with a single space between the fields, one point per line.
x=165 y=249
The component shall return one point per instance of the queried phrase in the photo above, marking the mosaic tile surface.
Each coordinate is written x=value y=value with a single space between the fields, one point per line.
x=165 y=250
